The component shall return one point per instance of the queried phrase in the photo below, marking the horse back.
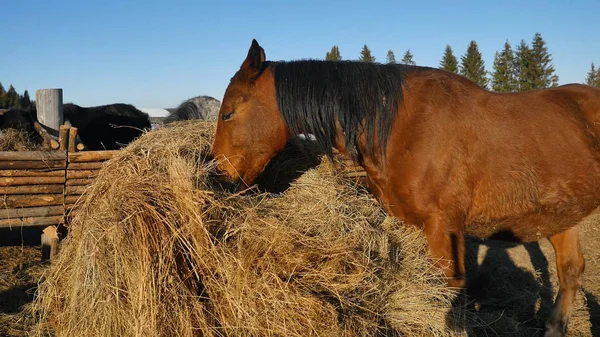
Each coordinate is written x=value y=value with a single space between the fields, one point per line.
x=582 y=100
x=527 y=163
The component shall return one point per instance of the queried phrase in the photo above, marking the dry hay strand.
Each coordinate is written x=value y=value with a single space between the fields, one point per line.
x=19 y=140
x=19 y=271
x=156 y=251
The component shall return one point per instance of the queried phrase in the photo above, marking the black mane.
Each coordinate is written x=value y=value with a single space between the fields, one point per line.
x=313 y=95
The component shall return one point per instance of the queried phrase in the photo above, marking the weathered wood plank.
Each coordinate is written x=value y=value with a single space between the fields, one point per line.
x=72 y=190
x=31 y=155
x=32 y=173
x=31 y=200
x=85 y=166
x=32 y=189
x=32 y=164
x=32 y=221
x=18 y=181
x=9 y=213
x=79 y=182
x=91 y=156
x=81 y=174
x=72 y=199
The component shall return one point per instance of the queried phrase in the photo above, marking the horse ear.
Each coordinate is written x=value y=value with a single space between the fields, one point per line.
x=256 y=57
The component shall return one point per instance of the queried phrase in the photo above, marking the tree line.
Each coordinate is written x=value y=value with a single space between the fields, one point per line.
x=527 y=67
x=12 y=99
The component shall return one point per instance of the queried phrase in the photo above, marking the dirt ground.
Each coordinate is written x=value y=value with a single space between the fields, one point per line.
x=518 y=285
x=20 y=270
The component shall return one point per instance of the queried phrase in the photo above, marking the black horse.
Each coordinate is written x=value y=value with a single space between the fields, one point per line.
x=106 y=127
x=18 y=118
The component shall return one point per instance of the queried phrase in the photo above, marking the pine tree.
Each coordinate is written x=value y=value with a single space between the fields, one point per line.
x=334 y=54
x=25 y=100
x=12 y=97
x=504 y=78
x=449 y=61
x=593 y=77
x=542 y=70
x=408 y=58
x=2 y=97
x=391 y=58
x=523 y=66
x=473 y=66
x=365 y=55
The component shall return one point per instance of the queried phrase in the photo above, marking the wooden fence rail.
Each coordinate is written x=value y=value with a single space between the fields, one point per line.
x=38 y=188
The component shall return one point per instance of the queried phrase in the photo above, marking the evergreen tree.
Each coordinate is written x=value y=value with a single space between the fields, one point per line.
x=473 y=66
x=25 y=99
x=449 y=61
x=12 y=98
x=365 y=55
x=523 y=65
x=408 y=58
x=391 y=58
x=2 y=96
x=593 y=77
x=542 y=70
x=504 y=78
x=334 y=54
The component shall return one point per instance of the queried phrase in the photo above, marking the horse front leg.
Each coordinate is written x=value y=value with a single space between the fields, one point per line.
x=569 y=266
x=447 y=247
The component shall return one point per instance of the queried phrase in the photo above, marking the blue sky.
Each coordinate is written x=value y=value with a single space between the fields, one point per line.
x=159 y=53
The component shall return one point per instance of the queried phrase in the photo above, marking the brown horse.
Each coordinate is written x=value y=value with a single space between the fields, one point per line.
x=440 y=152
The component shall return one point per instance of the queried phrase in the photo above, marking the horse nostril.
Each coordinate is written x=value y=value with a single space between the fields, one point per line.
x=219 y=179
x=229 y=186
x=234 y=186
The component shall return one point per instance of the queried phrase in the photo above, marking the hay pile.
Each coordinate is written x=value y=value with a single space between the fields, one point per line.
x=19 y=140
x=156 y=251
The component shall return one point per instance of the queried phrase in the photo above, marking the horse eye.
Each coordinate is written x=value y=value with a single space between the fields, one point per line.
x=227 y=116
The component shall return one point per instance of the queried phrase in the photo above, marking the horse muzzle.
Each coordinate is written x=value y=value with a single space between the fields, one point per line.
x=230 y=186
x=221 y=180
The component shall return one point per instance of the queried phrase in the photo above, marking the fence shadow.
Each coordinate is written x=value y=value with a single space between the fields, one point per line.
x=17 y=236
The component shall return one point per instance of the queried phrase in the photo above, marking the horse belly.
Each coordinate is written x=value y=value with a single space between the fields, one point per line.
x=527 y=227
x=527 y=210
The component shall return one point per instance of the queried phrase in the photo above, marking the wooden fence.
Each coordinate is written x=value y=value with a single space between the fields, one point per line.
x=39 y=188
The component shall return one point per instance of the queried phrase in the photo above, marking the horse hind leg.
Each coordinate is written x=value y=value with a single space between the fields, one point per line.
x=569 y=265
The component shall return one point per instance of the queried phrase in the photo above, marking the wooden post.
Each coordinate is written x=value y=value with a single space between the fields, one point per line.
x=63 y=137
x=49 y=105
x=49 y=243
x=72 y=140
x=46 y=136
